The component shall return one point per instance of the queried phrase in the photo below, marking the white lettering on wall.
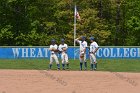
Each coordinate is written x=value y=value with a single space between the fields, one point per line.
x=126 y=52
x=118 y=53
x=102 y=52
x=39 y=53
x=133 y=52
x=99 y=52
x=112 y=54
x=15 y=52
x=138 y=52
x=46 y=52
x=24 y=52
x=106 y=52
x=32 y=52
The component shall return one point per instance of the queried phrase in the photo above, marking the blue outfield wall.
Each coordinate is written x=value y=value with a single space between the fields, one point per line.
x=43 y=52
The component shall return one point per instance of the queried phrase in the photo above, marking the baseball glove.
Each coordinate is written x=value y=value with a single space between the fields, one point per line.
x=64 y=49
x=82 y=54
x=53 y=49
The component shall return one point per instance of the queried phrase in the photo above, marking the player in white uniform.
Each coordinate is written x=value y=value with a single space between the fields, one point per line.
x=53 y=49
x=93 y=49
x=64 y=56
x=82 y=55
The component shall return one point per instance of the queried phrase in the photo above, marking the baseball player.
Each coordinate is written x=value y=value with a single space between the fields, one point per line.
x=82 y=55
x=93 y=49
x=53 y=49
x=64 y=56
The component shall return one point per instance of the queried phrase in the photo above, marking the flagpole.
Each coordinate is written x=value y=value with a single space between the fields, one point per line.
x=75 y=10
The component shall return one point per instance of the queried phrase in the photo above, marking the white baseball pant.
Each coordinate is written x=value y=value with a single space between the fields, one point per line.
x=64 y=57
x=82 y=59
x=93 y=58
x=53 y=57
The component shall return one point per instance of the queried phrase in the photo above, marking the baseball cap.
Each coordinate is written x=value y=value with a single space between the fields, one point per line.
x=53 y=40
x=83 y=37
x=62 y=40
x=92 y=38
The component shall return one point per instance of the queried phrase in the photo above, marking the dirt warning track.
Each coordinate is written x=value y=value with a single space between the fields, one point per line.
x=41 y=81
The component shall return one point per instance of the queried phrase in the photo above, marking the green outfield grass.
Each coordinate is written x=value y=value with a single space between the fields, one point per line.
x=116 y=65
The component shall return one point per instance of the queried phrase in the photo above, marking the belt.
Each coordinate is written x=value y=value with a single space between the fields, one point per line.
x=64 y=52
x=92 y=53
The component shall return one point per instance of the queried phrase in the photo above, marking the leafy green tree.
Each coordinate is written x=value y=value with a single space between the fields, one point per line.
x=36 y=22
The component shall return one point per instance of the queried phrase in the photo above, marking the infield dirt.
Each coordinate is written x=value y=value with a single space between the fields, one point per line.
x=41 y=81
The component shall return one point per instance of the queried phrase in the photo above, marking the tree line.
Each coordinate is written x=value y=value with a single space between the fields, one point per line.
x=36 y=22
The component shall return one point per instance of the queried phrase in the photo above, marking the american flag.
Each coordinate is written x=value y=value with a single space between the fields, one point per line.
x=77 y=14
